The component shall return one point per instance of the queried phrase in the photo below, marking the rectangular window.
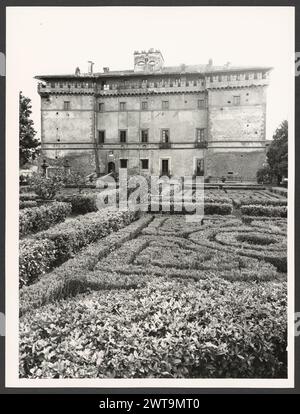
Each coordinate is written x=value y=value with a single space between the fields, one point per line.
x=122 y=106
x=165 y=135
x=61 y=85
x=123 y=163
x=101 y=137
x=165 y=105
x=52 y=85
x=201 y=103
x=66 y=105
x=144 y=135
x=145 y=164
x=123 y=135
x=200 y=134
x=101 y=107
x=144 y=106
x=236 y=100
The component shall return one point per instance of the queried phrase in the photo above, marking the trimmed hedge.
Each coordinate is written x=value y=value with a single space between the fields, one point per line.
x=166 y=329
x=190 y=208
x=259 y=210
x=35 y=258
x=71 y=236
x=28 y=196
x=68 y=238
x=27 y=204
x=35 y=219
x=275 y=255
x=81 y=203
x=75 y=275
x=260 y=201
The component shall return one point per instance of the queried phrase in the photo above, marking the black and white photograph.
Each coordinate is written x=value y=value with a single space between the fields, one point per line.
x=150 y=196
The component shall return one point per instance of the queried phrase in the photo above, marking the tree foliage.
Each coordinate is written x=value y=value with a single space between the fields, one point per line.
x=28 y=144
x=277 y=154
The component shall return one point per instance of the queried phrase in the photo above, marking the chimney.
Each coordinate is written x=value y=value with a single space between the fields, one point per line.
x=106 y=69
x=90 y=67
x=77 y=71
x=210 y=62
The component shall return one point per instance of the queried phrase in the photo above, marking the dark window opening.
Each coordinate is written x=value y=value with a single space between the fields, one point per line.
x=67 y=105
x=123 y=163
x=101 y=106
x=145 y=164
x=101 y=136
x=144 y=106
x=144 y=135
x=122 y=106
x=123 y=135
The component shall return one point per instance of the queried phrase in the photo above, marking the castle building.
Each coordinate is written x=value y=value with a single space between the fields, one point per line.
x=155 y=119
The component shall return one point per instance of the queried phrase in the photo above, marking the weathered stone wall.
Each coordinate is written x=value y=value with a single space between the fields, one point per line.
x=65 y=133
x=182 y=118
x=242 y=163
x=243 y=122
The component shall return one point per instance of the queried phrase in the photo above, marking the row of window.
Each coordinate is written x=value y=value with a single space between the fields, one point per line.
x=160 y=83
x=201 y=103
x=144 y=163
x=62 y=85
x=234 y=77
x=165 y=135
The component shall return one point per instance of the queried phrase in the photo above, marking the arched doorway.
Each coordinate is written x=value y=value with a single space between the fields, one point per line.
x=111 y=168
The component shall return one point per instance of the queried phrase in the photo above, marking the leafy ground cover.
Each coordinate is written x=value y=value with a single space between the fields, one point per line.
x=170 y=328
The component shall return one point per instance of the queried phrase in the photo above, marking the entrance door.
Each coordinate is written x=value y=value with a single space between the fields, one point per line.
x=200 y=167
x=111 y=167
x=164 y=167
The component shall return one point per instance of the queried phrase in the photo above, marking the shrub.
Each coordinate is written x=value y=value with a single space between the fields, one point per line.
x=81 y=203
x=259 y=210
x=71 y=277
x=71 y=236
x=28 y=196
x=262 y=202
x=167 y=329
x=46 y=188
x=35 y=219
x=264 y=175
x=35 y=258
x=190 y=208
x=27 y=204
x=216 y=208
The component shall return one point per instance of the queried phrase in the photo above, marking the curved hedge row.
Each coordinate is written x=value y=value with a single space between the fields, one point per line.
x=75 y=275
x=66 y=239
x=32 y=220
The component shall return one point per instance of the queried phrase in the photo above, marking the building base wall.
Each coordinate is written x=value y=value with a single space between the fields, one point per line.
x=238 y=164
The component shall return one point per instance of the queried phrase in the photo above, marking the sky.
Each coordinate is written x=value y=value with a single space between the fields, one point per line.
x=55 y=40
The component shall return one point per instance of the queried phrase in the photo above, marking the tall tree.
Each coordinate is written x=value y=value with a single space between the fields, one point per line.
x=28 y=144
x=277 y=154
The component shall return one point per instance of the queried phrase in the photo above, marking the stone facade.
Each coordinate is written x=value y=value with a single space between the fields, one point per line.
x=186 y=120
